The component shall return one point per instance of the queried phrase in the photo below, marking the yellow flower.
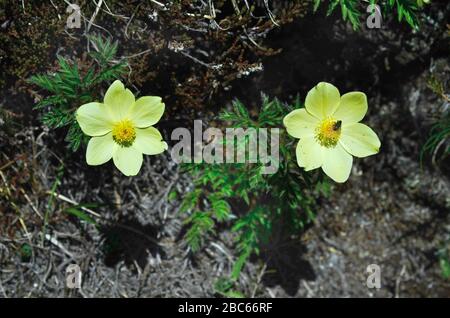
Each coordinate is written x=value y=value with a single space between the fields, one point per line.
x=330 y=132
x=121 y=128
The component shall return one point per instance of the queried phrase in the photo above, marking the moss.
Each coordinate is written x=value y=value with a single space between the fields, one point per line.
x=30 y=38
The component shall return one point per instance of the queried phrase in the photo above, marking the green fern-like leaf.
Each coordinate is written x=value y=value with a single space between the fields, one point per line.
x=407 y=10
x=217 y=185
x=201 y=224
x=68 y=88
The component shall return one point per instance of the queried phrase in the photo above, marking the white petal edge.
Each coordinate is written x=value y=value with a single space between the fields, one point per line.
x=352 y=108
x=309 y=153
x=119 y=99
x=128 y=160
x=99 y=150
x=149 y=141
x=337 y=163
x=94 y=119
x=322 y=100
x=299 y=123
x=359 y=140
x=147 y=111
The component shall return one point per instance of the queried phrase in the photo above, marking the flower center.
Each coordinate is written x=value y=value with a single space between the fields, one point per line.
x=124 y=133
x=328 y=132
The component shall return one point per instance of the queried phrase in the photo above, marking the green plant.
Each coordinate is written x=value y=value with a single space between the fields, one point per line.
x=443 y=255
x=352 y=9
x=438 y=138
x=75 y=84
x=445 y=266
x=50 y=203
x=225 y=287
x=439 y=134
x=241 y=195
x=77 y=211
x=440 y=131
x=25 y=252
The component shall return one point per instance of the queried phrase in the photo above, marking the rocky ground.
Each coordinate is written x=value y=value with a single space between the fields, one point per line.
x=392 y=212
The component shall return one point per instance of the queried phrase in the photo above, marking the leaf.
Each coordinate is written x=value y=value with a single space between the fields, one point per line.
x=445 y=267
x=25 y=252
x=238 y=265
x=222 y=209
x=407 y=10
x=68 y=89
x=269 y=198
x=80 y=214
x=201 y=224
x=173 y=195
x=316 y=5
x=224 y=286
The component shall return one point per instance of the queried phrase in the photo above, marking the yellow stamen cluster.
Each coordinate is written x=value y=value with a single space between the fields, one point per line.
x=124 y=133
x=328 y=132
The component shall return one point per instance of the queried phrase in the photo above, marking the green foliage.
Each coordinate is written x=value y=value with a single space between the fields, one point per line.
x=172 y=196
x=50 y=203
x=225 y=287
x=445 y=267
x=352 y=10
x=80 y=214
x=25 y=252
x=73 y=85
x=444 y=259
x=437 y=86
x=240 y=195
x=439 y=137
x=439 y=134
x=440 y=131
x=406 y=10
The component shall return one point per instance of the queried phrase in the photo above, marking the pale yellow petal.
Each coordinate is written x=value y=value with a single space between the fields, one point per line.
x=337 y=163
x=120 y=99
x=94 y=119
x=352 y=108
x=359 y=140
x=147 y=111
x=299 y=123
x=322 y=100
x=128 y=160
x=99 y=150
x=149 y=141
x=309 y=153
